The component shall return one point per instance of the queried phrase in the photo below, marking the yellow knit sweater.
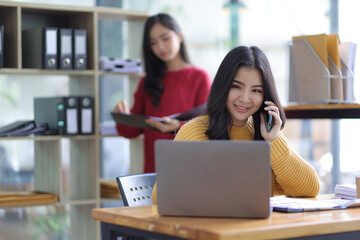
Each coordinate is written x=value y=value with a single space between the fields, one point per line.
x=291 y=175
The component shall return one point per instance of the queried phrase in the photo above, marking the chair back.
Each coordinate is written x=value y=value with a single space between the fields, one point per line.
x=136 y=189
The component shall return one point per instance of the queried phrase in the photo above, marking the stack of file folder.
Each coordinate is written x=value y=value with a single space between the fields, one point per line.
x=120 y=65
x=54 y=48
x=68 y=115
x=23 y=128
x=321 y=69
x=346 y=191
x=108 y=128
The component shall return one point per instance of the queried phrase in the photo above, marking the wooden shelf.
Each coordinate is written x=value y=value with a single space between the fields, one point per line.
x=68 y=201
x=111 y=13
x=116 y=14
x=32 y=71
x=136 y=75
x=83 y=182
x=105 y=200
x=49 y=137
x=25 y=198
x=109 y=189
x=323 y=111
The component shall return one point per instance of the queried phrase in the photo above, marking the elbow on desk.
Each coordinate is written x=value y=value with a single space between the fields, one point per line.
x=309 y=189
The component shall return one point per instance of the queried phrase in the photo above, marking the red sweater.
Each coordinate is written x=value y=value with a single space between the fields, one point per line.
x=183 y=90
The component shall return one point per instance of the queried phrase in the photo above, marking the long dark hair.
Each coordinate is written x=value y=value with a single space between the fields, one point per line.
x=219 y=116
x=155 y=68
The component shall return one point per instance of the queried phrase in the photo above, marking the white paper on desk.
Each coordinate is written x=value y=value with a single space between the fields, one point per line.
x=346 y=191
x=286 y=204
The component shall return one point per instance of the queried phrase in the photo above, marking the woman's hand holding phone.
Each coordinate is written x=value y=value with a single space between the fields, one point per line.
x=270 y=130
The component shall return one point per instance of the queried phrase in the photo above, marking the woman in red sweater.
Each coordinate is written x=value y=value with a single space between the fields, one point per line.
x=171 y=85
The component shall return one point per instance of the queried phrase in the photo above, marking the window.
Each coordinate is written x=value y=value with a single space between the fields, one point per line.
x=349 y=130
x=269 y=24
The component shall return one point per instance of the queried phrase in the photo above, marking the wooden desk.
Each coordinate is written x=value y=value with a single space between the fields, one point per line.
x=323 y=111
x=145 y=221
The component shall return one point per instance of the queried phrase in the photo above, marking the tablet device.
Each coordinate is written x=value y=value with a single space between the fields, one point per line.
x=132 y=120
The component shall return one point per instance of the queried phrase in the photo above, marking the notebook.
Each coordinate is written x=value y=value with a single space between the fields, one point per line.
x=215 y=178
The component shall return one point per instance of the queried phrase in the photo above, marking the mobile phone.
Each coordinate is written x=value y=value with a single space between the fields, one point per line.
x=268 y=124
x=268 y=119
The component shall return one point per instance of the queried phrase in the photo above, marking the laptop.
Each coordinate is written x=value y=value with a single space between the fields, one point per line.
x=216 y=178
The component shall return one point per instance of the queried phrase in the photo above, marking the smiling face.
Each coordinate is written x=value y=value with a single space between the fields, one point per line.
x=246 y=95
x=164 y=42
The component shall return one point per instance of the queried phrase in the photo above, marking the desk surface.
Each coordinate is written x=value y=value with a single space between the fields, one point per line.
x=323 y=111
x=279 y=225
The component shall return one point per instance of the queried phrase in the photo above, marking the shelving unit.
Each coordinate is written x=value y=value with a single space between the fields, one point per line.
x=334 y=112
x=84 y=193
x=323 y=111
x=23 y=198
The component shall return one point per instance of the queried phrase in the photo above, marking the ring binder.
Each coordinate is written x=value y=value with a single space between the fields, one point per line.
x=1 y=46
x=60 y=113
x=86 y=115
x=65 y=49
x=40 y=48
x=79 y=49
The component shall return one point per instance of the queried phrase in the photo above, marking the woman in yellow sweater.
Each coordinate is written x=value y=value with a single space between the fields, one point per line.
x=242 y=92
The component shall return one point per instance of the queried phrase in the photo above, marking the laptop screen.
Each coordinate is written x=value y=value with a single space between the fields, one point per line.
x=215 y=178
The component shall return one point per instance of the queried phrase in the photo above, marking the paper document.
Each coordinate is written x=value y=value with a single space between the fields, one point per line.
x=333 y=43
x=285 y=204
x=346 y=191
x=319 y=44
x=348 y=54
